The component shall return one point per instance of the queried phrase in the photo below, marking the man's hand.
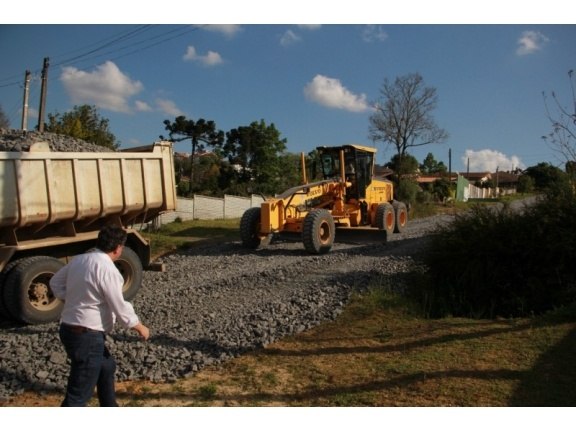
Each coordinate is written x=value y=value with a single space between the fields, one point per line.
x=142 y=330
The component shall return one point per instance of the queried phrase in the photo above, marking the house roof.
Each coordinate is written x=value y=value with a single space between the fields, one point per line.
x=431 y=178
x=505 y=177
x=382 y=171
x=474 y=176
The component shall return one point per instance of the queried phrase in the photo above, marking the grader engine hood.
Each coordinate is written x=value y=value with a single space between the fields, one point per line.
x=287 y=211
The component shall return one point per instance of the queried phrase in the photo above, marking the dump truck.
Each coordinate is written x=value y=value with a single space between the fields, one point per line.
x=348 y=204
x=52 y=207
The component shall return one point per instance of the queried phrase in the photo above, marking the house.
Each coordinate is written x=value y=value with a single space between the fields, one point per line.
x=505 y=182
x=477 y=178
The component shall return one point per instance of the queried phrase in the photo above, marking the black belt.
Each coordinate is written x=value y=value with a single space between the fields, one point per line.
x=76 y=329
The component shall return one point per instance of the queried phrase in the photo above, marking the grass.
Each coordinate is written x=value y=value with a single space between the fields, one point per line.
x=182 y=234
x=381 y=352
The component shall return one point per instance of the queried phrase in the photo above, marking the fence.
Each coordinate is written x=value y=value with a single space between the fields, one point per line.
x=465 y=190
x=205 y=207
x=475 y=192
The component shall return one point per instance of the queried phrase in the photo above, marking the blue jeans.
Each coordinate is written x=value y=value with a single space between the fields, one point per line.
x=92 y=365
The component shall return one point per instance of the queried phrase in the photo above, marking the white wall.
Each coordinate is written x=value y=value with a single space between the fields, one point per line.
x=204 y=207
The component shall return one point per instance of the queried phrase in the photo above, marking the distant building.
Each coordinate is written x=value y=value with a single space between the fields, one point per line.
x=472 y=185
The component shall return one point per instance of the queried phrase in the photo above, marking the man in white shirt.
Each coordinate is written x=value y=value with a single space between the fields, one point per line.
x=91 y=287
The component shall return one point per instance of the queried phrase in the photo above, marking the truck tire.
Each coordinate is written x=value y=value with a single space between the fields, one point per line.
x=318 y=231
x=385 y=219
x=4 y=312
x=401 y=216
x=27 y=294
x=250 y=228
x=130 y=267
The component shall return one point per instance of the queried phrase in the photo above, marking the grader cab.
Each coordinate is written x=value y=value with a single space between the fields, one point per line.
x=348 y=203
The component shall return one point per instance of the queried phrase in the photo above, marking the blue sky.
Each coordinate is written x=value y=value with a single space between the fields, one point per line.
x=316 y=83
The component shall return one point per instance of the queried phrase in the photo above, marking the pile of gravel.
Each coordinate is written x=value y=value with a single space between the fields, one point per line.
x=215 y=302
x=18 y=140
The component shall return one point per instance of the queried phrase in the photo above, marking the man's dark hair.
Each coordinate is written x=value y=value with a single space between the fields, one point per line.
x=110 y=237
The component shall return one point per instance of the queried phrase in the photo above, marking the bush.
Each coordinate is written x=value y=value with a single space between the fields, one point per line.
x=492 y=262
x=406 y=191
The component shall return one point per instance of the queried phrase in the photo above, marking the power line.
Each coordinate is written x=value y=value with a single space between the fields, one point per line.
x=119 y=45
x=123 y=36
x=118 y=41
x=99 y=45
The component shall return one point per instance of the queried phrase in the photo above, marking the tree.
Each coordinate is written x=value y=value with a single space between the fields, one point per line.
x=257 y=151
x=83 y=122
x=199 y=132
x=292 y=171
x=562 y=138
x=403 y=115
x=431 y=166
x=407 y=165
x=525 y=184
x=4 y=122
x=441 y=189
x=547 y=176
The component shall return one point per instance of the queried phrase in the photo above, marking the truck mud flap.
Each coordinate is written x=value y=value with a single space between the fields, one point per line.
x=360 y=235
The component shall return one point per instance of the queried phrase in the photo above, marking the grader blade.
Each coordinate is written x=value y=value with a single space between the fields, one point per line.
x=361 y=235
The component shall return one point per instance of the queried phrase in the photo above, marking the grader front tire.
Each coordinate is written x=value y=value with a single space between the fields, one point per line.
x=385 y=218
x=250 y=228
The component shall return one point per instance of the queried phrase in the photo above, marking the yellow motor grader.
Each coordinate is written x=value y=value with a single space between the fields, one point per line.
x=349 y=203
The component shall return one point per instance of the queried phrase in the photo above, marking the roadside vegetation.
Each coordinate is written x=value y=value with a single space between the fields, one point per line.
x=503 y=263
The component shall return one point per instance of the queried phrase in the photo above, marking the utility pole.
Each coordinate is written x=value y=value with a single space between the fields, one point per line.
x=43 y=94
x=25 y=102
x=496 y=189
x=450 y=165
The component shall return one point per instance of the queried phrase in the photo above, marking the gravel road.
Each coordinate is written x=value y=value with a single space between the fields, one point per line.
x=215 y=302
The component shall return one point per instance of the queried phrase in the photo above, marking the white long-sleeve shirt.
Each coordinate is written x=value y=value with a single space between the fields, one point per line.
x=91 y=287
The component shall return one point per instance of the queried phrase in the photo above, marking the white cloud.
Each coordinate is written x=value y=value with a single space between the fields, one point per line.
x=530 y=42
x=289 y=38
x=226 y=29
x=331 y=93
x=106 y=87
x=142 y=106
x=374 y=33
x=490 y=160
x=169 y=107
x=210 y=59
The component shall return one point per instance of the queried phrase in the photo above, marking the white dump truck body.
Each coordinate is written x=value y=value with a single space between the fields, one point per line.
x=53 y=204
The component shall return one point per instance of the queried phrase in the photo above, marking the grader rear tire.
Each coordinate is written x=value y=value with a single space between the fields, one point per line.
x=401 y=216
x=318 y=232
